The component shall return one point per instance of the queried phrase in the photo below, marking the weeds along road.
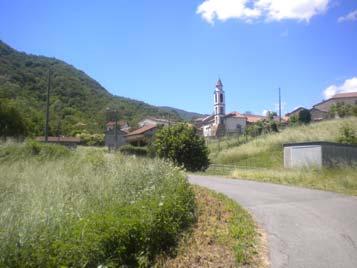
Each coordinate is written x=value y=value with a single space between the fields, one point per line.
x=305 y=228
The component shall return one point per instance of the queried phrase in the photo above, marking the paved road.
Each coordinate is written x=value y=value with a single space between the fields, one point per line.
x=305 y=228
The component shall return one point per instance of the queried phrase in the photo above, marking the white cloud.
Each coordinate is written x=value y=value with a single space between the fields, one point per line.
x=350 y=85
x=265 y=112
x=349 y=17
x=270 y=10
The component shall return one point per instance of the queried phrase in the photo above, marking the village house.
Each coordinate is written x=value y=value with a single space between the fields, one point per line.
x=142 y=135
x=295 y=112
x=321 y=110
x=154 y=121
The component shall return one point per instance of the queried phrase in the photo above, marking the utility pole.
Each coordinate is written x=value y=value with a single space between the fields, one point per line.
x=279 y=105
x=116 y=129
x=48 y=105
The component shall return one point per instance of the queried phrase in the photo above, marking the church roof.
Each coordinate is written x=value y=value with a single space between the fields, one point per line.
x=219 y=83
x=236 y=115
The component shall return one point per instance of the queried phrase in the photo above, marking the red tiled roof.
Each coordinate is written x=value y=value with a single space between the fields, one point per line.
x=345 y=95
x=295 y=110
x=236 y=115
x=59 y=139
x=339 y=96
x=251 y=118
x=142 y=130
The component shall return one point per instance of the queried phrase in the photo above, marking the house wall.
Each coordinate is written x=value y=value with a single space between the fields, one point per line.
x=231 y=124
x=318 y=115
x=326 y=105
x=207 y=131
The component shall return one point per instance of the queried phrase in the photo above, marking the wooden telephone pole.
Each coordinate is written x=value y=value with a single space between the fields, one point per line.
x=48 y=105
x=279 y=105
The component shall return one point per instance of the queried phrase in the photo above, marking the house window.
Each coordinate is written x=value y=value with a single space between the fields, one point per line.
x=239 y=128
x=221 y=97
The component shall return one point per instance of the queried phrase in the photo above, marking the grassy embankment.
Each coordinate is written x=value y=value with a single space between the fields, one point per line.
x=262 y=158
x=85 y=208
x=224 y=235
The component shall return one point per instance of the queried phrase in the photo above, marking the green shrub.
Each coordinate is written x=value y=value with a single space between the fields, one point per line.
x=30 y=148
x=347 y=134
x=129 y=149
x=91 y=209
x=91 y=139
x=181 y=144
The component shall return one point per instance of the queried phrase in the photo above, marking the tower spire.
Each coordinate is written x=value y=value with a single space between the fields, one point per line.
x=219 y=102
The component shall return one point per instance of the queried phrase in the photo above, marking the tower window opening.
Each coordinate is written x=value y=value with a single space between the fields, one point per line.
x=221 y=97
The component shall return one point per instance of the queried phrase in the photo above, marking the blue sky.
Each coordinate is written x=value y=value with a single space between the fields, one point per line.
x=172 y=52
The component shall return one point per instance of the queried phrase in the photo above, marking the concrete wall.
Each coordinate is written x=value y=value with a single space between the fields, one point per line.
x=231 y=124
x=339 y=155
x=319 y=154
x=302 y=156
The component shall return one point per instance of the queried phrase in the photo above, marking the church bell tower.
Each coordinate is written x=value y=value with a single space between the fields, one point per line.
x=219 y=103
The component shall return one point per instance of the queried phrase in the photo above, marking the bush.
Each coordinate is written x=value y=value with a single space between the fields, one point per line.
x=129 y=149
x=91 y=139
x=12 y=123
x=181 y=144
x=91 y=210
x=347 y=135
x=32 y=149
x=304 y=116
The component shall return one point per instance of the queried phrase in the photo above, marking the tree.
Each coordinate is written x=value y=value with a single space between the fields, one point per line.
x=181 y=144
x=304 y=116
x=12 y=124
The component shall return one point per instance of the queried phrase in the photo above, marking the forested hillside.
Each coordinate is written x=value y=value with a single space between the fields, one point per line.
x=78 y=102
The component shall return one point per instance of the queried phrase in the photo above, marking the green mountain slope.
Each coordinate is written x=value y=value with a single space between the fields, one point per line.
x=185 y=115
x=78 y=102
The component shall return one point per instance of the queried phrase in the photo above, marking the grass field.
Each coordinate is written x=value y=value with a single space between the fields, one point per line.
x=86 y=208
x=262 y=158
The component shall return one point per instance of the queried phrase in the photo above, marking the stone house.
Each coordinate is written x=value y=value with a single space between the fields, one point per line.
x=142 y=135
x=320 y=111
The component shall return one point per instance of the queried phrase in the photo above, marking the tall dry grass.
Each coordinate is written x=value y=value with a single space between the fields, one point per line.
x=88 y=208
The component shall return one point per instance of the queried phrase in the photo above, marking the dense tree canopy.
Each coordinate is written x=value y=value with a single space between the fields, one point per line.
x=12 y=124
x=181 y=144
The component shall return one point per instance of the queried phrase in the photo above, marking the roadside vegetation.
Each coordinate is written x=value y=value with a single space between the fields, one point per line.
x=267 y=151
x=87 y=208
x=261 y=158
x=224 y=235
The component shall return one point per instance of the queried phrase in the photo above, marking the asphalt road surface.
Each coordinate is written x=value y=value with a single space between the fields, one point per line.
x=305 y=228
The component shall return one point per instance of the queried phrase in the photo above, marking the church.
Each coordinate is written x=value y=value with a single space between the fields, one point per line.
x=220 y=124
